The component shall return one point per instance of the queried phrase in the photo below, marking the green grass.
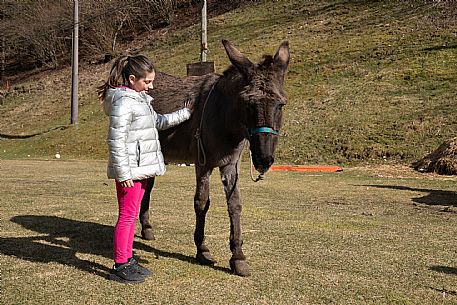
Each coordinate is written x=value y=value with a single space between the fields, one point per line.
x=368 y=81
x=379 y=235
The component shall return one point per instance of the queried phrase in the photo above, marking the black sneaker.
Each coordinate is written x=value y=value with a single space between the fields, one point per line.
x=139 y=268
x=126 y=273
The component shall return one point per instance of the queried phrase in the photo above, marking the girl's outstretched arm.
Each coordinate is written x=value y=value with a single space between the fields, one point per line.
x=165 y=121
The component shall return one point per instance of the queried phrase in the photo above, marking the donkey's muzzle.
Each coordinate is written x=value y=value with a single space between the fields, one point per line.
x=262 y=145
x=262 y=165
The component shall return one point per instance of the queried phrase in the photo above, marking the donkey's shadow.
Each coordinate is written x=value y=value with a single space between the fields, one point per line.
x=61 y=239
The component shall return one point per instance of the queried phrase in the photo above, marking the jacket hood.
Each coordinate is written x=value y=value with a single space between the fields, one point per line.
x=115 y=94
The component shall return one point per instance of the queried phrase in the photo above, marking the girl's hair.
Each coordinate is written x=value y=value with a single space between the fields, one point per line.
x=123 y=67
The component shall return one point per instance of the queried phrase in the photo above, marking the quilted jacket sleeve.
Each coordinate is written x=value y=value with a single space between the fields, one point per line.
x=165 y=121
x=120 y=120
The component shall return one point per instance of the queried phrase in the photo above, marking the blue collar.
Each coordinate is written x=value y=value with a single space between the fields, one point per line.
x=263 y=129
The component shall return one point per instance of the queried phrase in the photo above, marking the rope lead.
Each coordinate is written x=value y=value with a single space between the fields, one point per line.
x=260 y=177
x=200 y=147
x=201 y=156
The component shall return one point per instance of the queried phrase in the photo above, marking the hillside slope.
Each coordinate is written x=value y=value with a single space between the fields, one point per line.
x=370 y=81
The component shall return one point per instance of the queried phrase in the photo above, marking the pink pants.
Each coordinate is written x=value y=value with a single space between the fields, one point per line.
x=129 y=200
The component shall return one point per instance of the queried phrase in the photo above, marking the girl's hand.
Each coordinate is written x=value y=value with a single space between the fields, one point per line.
x=189 y=104
x=127 y=183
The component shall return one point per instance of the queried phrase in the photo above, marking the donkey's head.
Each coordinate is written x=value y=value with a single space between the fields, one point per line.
x=261 y=100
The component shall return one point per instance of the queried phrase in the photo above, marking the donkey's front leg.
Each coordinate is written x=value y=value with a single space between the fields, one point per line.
x=201 y=206
x=229 y=176
x=146 y=227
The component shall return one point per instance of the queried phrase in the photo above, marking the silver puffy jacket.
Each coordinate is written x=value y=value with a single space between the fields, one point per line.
x=133 y=139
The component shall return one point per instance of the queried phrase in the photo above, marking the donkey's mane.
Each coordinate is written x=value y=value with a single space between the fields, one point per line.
x=265 y=62
x=231 y=71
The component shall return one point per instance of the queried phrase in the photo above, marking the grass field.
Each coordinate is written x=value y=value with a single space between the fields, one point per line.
x=366 y=235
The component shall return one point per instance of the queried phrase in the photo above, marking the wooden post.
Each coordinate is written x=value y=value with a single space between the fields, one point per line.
x=203 y=67
x=74 y=66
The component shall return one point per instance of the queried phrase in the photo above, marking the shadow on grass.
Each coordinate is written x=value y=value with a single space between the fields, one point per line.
x=444 y=291
x=444 y=269
x=434 y=197
x=440 y=47
x=61 y=239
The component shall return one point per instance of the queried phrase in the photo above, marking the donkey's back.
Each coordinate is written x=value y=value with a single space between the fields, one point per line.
x=170 y=93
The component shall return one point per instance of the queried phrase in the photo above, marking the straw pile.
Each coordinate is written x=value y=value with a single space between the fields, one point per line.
x=442 y=161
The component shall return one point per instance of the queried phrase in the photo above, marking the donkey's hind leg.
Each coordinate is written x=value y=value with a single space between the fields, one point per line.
x=201 y=206
x=146 y=227
x=230 y=179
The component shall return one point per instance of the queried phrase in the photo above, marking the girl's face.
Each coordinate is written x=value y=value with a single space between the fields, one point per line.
x=142 y=84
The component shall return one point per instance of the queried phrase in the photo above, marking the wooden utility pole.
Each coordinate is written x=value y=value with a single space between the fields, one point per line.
x=2 y=76
x=204 y=41
x=74 y=66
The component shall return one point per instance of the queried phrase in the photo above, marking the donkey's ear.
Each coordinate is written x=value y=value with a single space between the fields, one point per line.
x=241 y=62
x=282 y=56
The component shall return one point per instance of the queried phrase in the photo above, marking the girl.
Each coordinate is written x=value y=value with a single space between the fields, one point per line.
x=134 y=151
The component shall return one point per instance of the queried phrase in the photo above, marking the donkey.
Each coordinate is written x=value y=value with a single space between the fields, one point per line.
x=245 y=103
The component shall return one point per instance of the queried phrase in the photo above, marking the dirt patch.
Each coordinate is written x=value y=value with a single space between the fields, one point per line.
x=442 y=161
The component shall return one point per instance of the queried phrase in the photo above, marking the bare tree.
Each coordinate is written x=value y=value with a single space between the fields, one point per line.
x=37 y=33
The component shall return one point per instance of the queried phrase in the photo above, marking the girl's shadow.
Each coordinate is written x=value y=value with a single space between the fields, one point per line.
x=60 y=239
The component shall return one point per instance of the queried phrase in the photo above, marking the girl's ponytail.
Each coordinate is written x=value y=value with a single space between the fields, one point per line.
x=114 y=77
x=123 y=67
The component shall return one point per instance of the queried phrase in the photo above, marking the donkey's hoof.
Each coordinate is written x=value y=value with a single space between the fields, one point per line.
x=205 y=258
x=148 y=234
x=240 y=267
